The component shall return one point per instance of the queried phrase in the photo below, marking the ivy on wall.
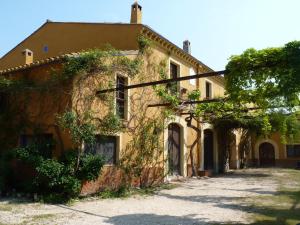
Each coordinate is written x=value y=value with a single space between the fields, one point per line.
x=86 y=114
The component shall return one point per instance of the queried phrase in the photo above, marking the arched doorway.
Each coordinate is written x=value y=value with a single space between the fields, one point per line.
x=208 y=150
x=266 y=155
x=174 y=144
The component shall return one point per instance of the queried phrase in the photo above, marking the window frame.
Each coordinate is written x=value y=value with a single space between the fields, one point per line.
x=173 y=62
x=207 y=82
x=115 y=153
x=38 y=138
x=125 y=100
x=294 y=155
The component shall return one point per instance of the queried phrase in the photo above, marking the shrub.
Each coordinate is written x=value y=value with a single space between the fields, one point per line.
x=58 y=180
x=89 y=167
x=49 y=174
x=54 y=179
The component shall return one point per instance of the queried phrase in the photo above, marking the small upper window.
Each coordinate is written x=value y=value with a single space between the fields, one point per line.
x=105 y=146
x=208 y=90
x=121 y=97
x=293 y=151
x=174 y=73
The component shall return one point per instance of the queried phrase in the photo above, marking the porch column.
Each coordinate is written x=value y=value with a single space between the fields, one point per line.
x=234 y=162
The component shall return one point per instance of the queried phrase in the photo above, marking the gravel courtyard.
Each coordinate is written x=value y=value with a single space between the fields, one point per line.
x=195 y=201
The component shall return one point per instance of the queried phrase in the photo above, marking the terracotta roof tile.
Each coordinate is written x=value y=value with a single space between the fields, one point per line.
x=53 y=59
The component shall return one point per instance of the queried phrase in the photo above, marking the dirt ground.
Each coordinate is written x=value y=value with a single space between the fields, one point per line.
x=218 y=200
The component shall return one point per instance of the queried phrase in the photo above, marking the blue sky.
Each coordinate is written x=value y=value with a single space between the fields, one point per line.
x=217 y=29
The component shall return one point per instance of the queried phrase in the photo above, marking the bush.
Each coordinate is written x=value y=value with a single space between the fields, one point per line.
x=49 y=175
x=58 y=180
x=29 y=155
x=89 y=167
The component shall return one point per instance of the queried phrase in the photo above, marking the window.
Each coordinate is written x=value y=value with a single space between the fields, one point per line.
x=174 y=73
x=120 y=97
x=44 y=143
x=105 y=146
x=293 y=151
x=208 y=90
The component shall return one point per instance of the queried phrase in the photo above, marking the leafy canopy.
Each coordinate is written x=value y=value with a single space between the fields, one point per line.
x=262 y=92
x=267 y=78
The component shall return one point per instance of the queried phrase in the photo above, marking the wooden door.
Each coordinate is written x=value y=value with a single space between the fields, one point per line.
x=174 y=149
x=266 y=155
x=208 y=150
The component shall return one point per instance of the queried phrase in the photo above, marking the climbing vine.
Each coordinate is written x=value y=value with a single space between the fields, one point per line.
x=68 y=99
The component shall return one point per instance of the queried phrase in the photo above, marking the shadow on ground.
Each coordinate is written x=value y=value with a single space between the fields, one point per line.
x=152 y=219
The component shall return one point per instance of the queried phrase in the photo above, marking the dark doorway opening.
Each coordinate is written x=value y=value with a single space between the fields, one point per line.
x=266 y=155
x=208 y=150
x=174 y=149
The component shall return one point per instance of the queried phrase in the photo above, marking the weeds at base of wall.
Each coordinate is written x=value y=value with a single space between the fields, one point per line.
x=125 y=192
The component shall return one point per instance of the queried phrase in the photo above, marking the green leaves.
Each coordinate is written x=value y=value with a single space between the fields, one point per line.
x=144 y=43
x=51 y=171
x=59 y=177
x=90 y=167
x=81 y=129
x=194 y=95
x=265 y=77
x=110 y=124
x=269 y=81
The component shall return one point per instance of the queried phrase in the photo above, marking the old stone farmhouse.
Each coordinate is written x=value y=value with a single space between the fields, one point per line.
x=46 y=48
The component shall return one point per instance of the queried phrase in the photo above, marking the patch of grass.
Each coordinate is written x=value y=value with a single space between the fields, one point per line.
x=283 y=208
x=2 y=223
x=6 y=207
x=124 y=192
x=110 y=194
x=153 y=190
x=40 y=217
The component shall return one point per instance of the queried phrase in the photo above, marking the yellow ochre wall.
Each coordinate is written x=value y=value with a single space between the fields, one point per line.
x=62 y=38
x=281 y=158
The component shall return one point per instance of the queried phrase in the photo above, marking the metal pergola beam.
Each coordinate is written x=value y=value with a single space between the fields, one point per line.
x=187 y=102
x=166 y=81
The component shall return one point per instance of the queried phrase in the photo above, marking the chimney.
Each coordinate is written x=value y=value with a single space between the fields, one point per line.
x=28 y=56
x=187 y=46
x=136 y=13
